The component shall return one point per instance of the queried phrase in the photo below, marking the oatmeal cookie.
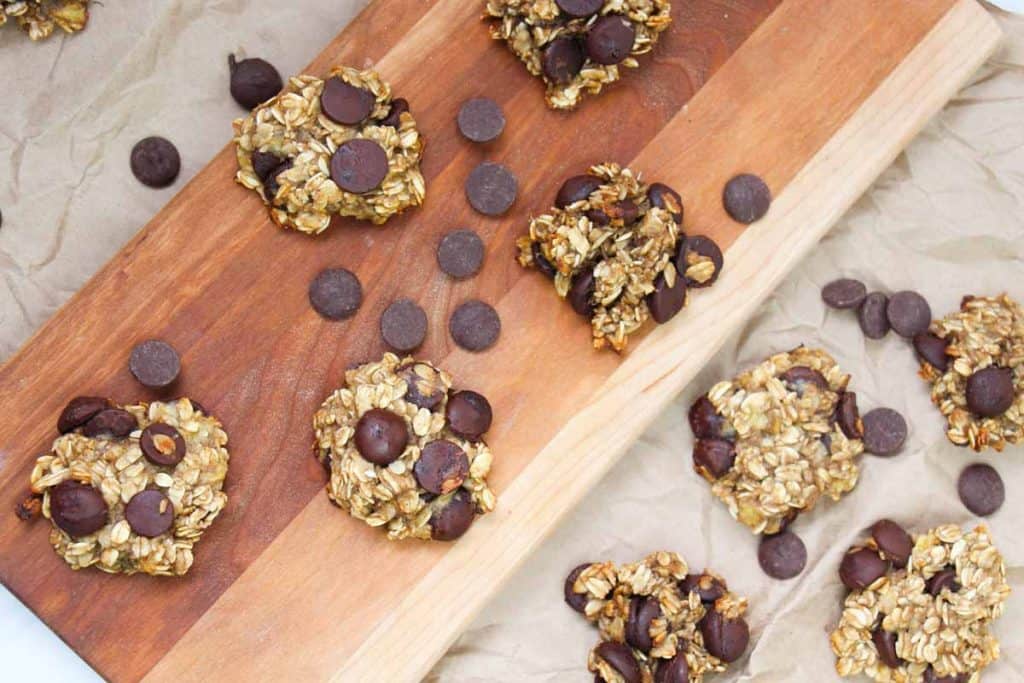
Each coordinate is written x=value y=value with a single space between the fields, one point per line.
x=404 y=451
x=38 y=18
x=131 y=489
x=974 y=360
x=919 y=609
x=341 y=146
x=577 y=46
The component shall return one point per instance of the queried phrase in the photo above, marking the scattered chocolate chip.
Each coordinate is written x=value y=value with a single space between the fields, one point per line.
x=453 y=517
x=845 y=293
x=799 y=377
x=908 y=313
x=579 y=8
x=872 y=317
x=990 y=391
x=80 y=410
x=705 y=421
x=381 y=436
x=344 y=103
x=746 y=198
x=359 y=165
x=932 y=350
x=885 y=430
x=848 y=415
x=29 y=508
x=610 y=39
x=460 y=253
x=981 y=489
x=423 y=389
x=712 y=458
x=562 y=59
x=253 y=81
x=491 y=188
x=782 y=556
x=664 y=197
x=704 y=246
x=155 y=162
x=642 y=611
x=335 y=293
x=707 y=586
x=894 y=542
x=944 y=579
x=113 y=422
x=931 y=677
x=480 y=119
x=403 y=325
x=399 y=106
x=664 y=302
x=674 y=670
x=543 y=264
x=885 y=644
x=469 y=414
x=724 y=638
x=441 y=467
x=581 y=293
x=576 y=189
x=578 y=601
x=77 y=508
x=149 y=513
x=475 y=326
x=620 y=657
x=162 y=444
x=154 y=363
x=862 y=567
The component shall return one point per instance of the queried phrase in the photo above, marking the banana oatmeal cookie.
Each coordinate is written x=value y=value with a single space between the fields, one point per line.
x=657 y=621
x=974 y=360
x=341 y=146
x=577 y=46
x=132 y=488
x=615 y=248
x=919 y=609
x=405 y=451
x=776 y=438
x=38 y=18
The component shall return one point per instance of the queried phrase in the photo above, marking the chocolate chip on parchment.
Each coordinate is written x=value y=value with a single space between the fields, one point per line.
x=149 y=513
x=77 y=508
x=848 y=415
x=724 y=638
x=874 y=322
x=932 y=350
x=712 y=458
x=576 y=189
x=746 y=198
x=491 y=188
x=80 y=410
x=620 y=657
x=799 y=377
x=543 y=264
x=908 y=313
x=990 y=391
x=885 y=430
x=707 y=587
x=469 y=414
x=475 y=325
x=155 y=161
x=399 y=106
x=480 y=119
x=460 y=253
x=579 y=8
x=345 y=103
x=441 y=467
x=451 y=518
x=665 y=302
x=581 y=293
x=664 y=197
x=253 y=81
x=893 y=540
x=704 y=246
x=359 y=165
x=885 y=644
x=944 y=579
x=562 y=59
x=642 y=611
x=931 y=677
x=578 y=601
x=154 y=363
x=335 y=293
x=610 y=39
x=981 y=489
x=381 y=436
x=403 y=325
x=113 y=422
x=845 y=293
x=704 y=420
x=782 y=556
x=862 y=567
x=675 y=670
x=162 y=444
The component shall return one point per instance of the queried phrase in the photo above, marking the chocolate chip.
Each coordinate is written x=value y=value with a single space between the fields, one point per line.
x=990 y=391
x=597 y=217
x=885 y=644
x=610 y=39
x=359 y=165
x=944 y=579
x=469 y=414
x=344 y=103
x=619 y=657
x=746 y=198
x=424 y=389
x=335 y=293
x=399 y=106
x=713 y=458
x=154 y=363
x=80 y=410
x=664 y=197
x=460 y=253
x=708 y=587
x=874 y=322
x=705 y=421
x=642 y=611
x=908 y=313
x=475 y=326
x=480 y=119
x=981 y=489
x=491 y=188
x=578 y=601
x=381 y=436
x=782 y=556
x=77 y=508
x=162 y=444
x=543 y=264
x=149 y=513
x=885 y=430
x=625 y=210
x=452 y=517
x=271 y=184
x=155 y=161
x=861 y=567
x=932 y=350
x=848 y=415
x=442 y=467
x=562 y=59
x=893 y=540
x=799 y=377
x=845 y=293
x=253 y=81
x=931 y=677
x=579 y=8
x=581 y=293
x=576 y=189
x=113 y=422
x=704 y=246
x=724 y=638
x=403 y=325
x=265 y=163
x=664 y=302
x=674 y=670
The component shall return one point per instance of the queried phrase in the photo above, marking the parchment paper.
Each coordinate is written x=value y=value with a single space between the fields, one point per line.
x=946 y=220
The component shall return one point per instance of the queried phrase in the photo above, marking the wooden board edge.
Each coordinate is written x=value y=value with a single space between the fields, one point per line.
x=468 y=575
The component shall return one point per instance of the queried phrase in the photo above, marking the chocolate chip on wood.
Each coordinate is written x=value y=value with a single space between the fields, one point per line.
x=253 y=81
x=154 y=363
x=746 y=198
x=480 y=119
x=981 y=489
x=335 y=293
x=491 y=188
x=469 y=414
x=460 y=253
x=475 y=325
x=403 y=325
x=155 y=162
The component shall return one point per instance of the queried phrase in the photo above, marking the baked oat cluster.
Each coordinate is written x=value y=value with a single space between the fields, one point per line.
x=577 y=46
x=974 y=360
x=337 y=147
x=404 y=451
x=658 y=622
x=132 y=488
x=778 y=437
x=615 y=248
x=920 y=609
x=39 y=18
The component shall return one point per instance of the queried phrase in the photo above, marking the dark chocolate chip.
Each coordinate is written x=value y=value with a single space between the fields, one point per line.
x=80 y=410
x=581 y=293
x=664 y=197
x=469 y=414
x=77 y=508
x=597 y=217
x=848 y=415
x=452 y=517
x=344 y=103
x=562 y=59
x=724 y=638
x=424 y=389
x=782 y=556
x=442 y=467
x=265 y=163
x=578 y=601
x=862 y=567
x=705 y=421
x=885 y=644
x=625 y=210
x=908 y=313
x=399 y=106
x=271 y=184
x=381 y=436
x=932 y=350
x=403 y=325
x=460 y=253
x=491 y=188
x=149 y=513
x=335 y=293
x=885 y=430
x=642 y=611
x=198 y=407
x=359 y=165
x=155 y=161
x=665 y=302
x=675 y=670
x=543 y=264
x=154 y=363
x=576 y=189
x=579 y=8
x=704 y=246
x=944 y=579
x=475 y=326
x=610 y=39
x=481 y=119
x=253 y=81
x=845 y=293
x=746 y=198
x=708 y=587
x=712 y=458
x=799 y=377
x=162 y=444
x=990 y=391
x=874 y=322
x=893 y=540
x=981 y=489
x=113 y=422
x=931 y=677
x=619 y=657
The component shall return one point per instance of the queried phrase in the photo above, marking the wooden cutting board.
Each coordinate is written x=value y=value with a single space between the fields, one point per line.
x=816 y=96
